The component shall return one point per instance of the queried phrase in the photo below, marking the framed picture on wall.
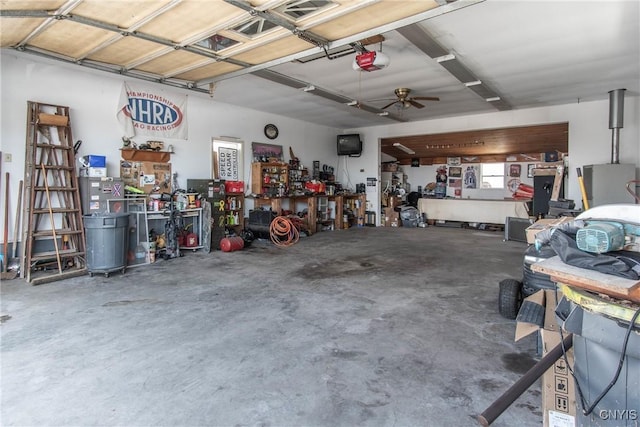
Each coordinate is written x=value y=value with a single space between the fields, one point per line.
x=266 y=152
x=530 y=168
x=453 y=161
x=515 y=171
x=455 y=171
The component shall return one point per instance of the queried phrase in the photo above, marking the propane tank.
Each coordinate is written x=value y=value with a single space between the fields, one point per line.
x=230 y=244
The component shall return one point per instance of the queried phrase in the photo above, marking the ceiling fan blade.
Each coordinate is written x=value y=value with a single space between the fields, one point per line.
x=415 y=104
x=427 y=98
x=381 y=99
x=388 y=105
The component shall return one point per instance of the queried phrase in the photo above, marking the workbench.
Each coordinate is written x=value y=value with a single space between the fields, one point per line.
x=356 y=202
x=276 y=206
x=472 y=210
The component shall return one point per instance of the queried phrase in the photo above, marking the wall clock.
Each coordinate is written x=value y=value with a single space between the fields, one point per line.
x=271 y=131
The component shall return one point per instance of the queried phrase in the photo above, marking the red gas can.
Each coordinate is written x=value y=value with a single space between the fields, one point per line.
x=191 y=240
x=229 y=244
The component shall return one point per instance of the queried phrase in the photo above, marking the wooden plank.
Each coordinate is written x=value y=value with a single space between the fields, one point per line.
x=557 y=183
x=590 y=280
x=39 y=280
x=145 y=155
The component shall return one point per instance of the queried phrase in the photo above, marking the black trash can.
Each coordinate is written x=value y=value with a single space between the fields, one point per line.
x=106 y=235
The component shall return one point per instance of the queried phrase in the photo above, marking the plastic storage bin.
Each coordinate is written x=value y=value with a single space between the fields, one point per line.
x=107 y=242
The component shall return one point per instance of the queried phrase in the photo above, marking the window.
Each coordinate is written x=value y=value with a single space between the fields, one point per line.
x=254 y=27
x=492 y=175
x=297 y=9
x=216 y=43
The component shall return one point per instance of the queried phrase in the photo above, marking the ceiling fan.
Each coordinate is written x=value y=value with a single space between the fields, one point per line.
x=402 y=94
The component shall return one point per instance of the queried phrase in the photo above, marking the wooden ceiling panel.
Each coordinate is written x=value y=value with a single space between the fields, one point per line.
x=125 y=51
x=13 y=31
x=484 y=142
x=214 y=69
x=191 y=18
x=70 y=38
x=117 y=12
x=274 y=50
x=174 y=60
x=376 y=15
x=31 y=4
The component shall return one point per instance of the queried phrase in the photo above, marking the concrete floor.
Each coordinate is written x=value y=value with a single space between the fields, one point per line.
x=366 y=327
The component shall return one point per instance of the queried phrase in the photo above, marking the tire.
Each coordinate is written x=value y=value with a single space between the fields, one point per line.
x=510 y=298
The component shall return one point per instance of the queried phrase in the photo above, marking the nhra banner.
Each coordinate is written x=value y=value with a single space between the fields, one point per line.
x=151 y=113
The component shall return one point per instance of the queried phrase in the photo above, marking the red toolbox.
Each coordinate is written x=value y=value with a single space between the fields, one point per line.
x=234 y=186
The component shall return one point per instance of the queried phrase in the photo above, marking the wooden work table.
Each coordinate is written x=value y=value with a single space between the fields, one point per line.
x=594 y=281
x=358 y=201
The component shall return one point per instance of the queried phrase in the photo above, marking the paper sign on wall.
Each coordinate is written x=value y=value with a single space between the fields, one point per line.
x=228 y=163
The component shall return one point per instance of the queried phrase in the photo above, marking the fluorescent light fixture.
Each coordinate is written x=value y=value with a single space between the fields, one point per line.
x=495 y=98
x=403 y=148
x=309 y=88
x=352 y=103
x=384 y=113
x=444 y=58
x=475 y=83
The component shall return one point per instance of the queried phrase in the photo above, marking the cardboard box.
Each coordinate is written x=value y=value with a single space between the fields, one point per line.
x=558 y=388
x=93 y=172
x=391 y=218
x=544 y=224
x=151 y=177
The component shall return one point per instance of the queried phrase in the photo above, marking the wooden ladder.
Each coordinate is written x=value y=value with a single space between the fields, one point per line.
x=53 y=232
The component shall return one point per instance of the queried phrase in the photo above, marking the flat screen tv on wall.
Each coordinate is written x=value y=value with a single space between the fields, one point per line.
x=349 y=145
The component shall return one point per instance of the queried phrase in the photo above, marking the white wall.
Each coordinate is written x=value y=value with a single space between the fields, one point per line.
x=93 y=97
x=589 y=136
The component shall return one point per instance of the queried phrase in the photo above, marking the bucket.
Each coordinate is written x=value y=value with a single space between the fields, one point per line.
x=230 y=244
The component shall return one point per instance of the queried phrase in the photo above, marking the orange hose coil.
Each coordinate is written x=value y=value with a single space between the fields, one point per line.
x=283 y=232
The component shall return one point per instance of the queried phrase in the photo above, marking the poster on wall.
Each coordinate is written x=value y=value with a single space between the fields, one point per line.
x=151 y=112
x=471 y=177
x=456 y=185
x=267 y=152
x=228 y=163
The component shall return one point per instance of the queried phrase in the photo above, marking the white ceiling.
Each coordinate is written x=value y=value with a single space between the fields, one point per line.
x=532 y=53
x=529 y=53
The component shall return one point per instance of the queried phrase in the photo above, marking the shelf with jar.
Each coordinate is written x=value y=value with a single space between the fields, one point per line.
x=297 y=178
x=234 y=211
x=269 y=179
